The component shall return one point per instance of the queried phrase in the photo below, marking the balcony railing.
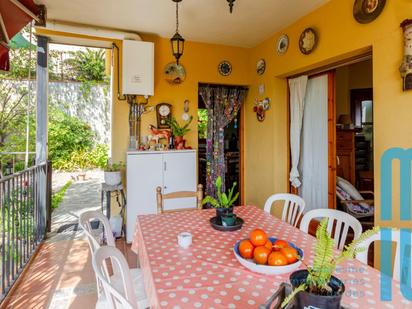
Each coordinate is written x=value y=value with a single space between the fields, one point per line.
x=24 y=219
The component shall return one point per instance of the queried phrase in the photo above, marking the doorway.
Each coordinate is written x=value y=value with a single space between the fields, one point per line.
x=348 y=102
x=232 y=146
x=354 y=141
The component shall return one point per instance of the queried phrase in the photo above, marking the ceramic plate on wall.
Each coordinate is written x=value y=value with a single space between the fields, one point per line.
x=282 y=44
x=260 y=66
x=308 y=41
x=174 y=73
x=366 y=11
x=225 y=68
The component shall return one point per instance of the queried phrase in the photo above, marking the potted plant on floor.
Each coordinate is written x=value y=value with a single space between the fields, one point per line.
x=112 y=175
x=179 y=131
x=223 y=203
x=316 y=287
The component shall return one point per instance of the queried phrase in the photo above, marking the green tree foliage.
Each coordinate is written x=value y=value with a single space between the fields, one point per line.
x=90 y=65
x=67 y=134
x=13 y=104
x=202 y=123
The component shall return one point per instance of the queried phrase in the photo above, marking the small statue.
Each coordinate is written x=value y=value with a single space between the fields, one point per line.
x=158 y=134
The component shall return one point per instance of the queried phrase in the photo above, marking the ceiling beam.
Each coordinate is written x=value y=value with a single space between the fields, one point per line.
x=5 y=36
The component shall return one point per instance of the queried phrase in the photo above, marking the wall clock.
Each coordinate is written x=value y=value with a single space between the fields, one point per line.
x=163 y=114
x=225 y=68
x=308 y=41
x=366 y=11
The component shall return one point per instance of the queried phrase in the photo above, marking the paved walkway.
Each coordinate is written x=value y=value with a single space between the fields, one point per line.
x=61 y=275
x=79 y=197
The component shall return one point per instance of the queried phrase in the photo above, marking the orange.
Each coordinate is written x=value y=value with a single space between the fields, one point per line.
x=279 y=244
x=290 y=253
x=261 y=254
x=258 y=237
x=246 y=249
x=269 y=245
x=277 y=258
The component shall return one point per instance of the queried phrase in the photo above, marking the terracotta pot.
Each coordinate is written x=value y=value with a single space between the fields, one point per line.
x=178 y=140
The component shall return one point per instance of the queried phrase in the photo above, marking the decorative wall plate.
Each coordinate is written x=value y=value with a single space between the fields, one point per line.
x=308 y=41
x=260 y=66
x=366 y=11
x=174 y=73
x=282 y=44
x=225 y=68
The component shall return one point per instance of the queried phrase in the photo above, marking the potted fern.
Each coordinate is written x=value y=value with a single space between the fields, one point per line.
x=316 y=287
x=178 y=130
x=224 y=202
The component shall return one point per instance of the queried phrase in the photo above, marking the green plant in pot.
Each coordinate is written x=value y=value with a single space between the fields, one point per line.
x=316 y=287
x=223 y=202
x=112 y=173
x=178 y=130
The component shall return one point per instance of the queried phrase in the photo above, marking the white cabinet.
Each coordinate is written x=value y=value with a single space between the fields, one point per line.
x=171 y=170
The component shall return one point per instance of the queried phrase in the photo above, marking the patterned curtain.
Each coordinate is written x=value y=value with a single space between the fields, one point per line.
x=223 y=104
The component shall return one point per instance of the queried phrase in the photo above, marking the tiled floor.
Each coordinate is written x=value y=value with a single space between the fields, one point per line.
x=61 y=275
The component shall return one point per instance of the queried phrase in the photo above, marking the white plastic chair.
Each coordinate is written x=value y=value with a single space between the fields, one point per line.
x=396 y=238
x=94 y=241
x=119 y=289
x=342 y=222
x=292 y=208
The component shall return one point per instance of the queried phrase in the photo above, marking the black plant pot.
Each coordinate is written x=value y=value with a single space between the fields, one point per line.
x=309 y=300
x=223 y=211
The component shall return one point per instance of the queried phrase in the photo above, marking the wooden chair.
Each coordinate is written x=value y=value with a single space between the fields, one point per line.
x=180 y=194
x=396 y=238
x=292 y=208
x=119 y=288
x=340 y=219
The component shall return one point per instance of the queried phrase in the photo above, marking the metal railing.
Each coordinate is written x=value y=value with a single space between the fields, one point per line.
x=24 y=219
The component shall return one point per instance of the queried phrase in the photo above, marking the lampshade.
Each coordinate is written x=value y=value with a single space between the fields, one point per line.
x=178 y=44
x=345 y=119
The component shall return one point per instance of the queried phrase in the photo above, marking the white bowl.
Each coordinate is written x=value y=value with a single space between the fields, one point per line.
x=266 y=269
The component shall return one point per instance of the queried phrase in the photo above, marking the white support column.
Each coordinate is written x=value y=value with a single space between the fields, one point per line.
x=42 y=77
x=42 y=99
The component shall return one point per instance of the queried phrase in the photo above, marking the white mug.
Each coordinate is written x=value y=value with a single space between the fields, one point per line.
x=184 y=240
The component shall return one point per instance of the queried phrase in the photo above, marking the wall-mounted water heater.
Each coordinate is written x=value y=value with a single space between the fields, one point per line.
x=138 y=68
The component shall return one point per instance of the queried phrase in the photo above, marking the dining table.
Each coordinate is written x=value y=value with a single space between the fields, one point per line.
x=208 y=275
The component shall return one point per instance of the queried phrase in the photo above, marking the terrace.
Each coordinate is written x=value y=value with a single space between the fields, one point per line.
x=304 y=99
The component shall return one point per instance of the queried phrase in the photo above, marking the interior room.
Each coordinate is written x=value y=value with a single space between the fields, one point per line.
x=257 y=154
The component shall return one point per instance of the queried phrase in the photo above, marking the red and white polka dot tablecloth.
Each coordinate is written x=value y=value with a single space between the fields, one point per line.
x=207 y=275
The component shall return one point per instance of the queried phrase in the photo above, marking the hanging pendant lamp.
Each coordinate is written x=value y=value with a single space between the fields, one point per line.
x=177 y=41
x=231 y=2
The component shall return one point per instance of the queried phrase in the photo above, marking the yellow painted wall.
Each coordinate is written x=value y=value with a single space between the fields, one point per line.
x=340 y=36
x=266 y=143
x=200 y=61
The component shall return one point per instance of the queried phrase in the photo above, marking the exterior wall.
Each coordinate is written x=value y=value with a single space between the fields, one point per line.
x=340 y=37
